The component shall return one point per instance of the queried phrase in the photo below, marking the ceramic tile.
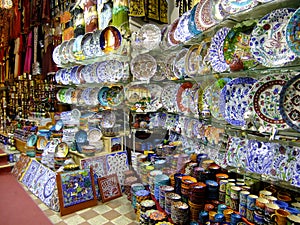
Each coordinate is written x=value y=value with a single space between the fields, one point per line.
x=98 y=220
x=88 y=214
x=110 y=215
x=74 y=220
x=122 y=221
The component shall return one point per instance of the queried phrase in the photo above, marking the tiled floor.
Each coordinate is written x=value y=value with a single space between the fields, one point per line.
x=115 y=212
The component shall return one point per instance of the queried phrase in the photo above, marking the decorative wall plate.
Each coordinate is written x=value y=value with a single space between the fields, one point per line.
x=62 y=150
x=102 y=96
x=115 y=96
x=167 y=97
x=235 y=6
x=160 y=73
x=182 y=32
x=110 y=39
x=192 y=23
x=216 y=54
x=108 y=119
x=64 y=59
x=268 y=39
x=192 y=61
x=81 y=136
x=86 y=45
x=179 y=64
x=41 y=142
x=214 y=97
x=169 y=63
x=171 y=33
x=143 y=67
x=236 y=47
x=263 y=102
x=218 y=13
x=94 y=134
x=55 y=55
x=289 y=103
x=234 y=100
x=292 y=32
x=69 y=50
x=203 y=54
x=155 y=97
x=182 y=99
x=150 y=36
x=203 y=16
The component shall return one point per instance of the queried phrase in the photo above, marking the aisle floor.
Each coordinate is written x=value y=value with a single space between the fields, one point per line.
x=115 y=212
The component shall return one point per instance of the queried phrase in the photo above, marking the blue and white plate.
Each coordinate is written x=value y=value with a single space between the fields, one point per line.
x=289 y=103
x=216 y=53
x=55 y=55
x=235 y=6
x=234 y=100
x=108 y=119
x=268 y=39
x=81 y=136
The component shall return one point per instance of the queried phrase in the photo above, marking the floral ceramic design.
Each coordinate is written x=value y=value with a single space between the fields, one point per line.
x=155 y=97
x=268 y=39
x=171 y=33
x=264 y=102
x=192 y=23
x=235 y=6
x=234 y=100
x=203 y=16
x=216 y=54
x=108 y=119
x=236 y=152
x=182 y=32
x=179 y=64
x=236 y=47
x=192 y=61
x=182 y=98
x=260 y=156
x=214 y=96
x=167 y=97
x=292 y=32
x=218 y=12
x=115 y=96
x=143 y=67
x=55 y=55
x=86 y=45
x=102 y=96
x=289 y=103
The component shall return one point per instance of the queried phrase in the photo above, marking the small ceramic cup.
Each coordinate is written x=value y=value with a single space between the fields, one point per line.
x=280 y=216
x=260 y=204
x=251 y=199
x=270 y=209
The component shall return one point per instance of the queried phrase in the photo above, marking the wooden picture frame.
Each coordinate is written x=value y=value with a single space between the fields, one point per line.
x=109 y=187
x=64 y=188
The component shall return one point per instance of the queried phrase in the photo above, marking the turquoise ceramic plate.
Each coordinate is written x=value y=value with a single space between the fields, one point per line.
x=102 y=96
x=293 y=32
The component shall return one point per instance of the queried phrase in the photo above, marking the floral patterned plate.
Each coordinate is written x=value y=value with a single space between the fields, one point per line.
x=235 y=6
x=214 y=97
x=216 y=54
x=102 y=96
x=143 y=67
x=289 y=103
x=234 y=100
x=268 y=43
x=182 y=99
x=292 y=32
x=108 y=119
x=263 y=102
x=203 y=15
x=236 y=47
x=192 y=61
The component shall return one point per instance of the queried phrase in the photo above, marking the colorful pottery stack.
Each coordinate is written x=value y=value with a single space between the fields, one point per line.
x=144 y=217
x=251 y=199
x=163 y=189
x=146 y=205
x=158 y=216
x=171 y=197
x=228 y=190
x=222 y=190
x=212 y=189
x=151 y=179
x=186 y=182
x=195 y=209
x=197 y=193
x=127 y=185
x=160 y=180
x=243 y=202
x=234 y=197
x=180 y=212
x=134 y=188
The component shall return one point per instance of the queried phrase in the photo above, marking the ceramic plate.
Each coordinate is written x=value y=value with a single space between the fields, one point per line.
x=171 y=33
x=115 y=96
x=192 y=24
x=235 y=6
x=62 y=150
x=108 y=119
x=64 y=59
x=110 y=39
x=216 y=54
x=136 y=92
x=192 y=61
x=81 y=136
x=218 y=13
x=182 y=33
x=69 y=49
x=264 y=102
x=155 y=97
x=143 y=67
x=182 y=98
x=179 y=64
x=160 y=73
x=41 y=142
x=268 y=40
x=102 y=96
x=86 y=45
x=203 y=54
x=289 y=103
x=234 y=100
x=55 y=55
x=150 y=36
x=214 y=97
x=169 y=63
x=236 y=47
x=292 y=32
x=59 y=125
x=75 y=114
x=94 y=135
x=203 y=16
x=167 y=97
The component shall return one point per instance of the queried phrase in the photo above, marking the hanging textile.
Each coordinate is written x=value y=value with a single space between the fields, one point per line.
x=153 y=10
x=137 y=8
x=28 y=56
x=163 y=11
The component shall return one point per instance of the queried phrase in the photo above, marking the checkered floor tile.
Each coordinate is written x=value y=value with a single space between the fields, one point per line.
x=115 y=212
